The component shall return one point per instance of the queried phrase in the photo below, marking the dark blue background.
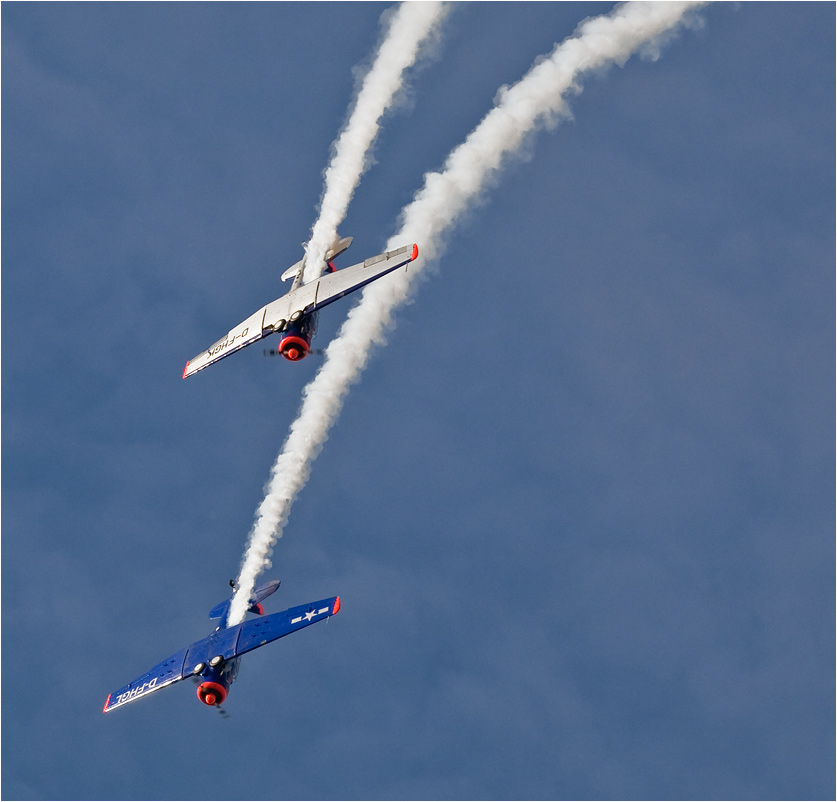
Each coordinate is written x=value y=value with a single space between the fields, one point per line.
x=580 y=510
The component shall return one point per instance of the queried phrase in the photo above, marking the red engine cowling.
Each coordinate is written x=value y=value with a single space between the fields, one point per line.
x=294 y=348
x=212 y=693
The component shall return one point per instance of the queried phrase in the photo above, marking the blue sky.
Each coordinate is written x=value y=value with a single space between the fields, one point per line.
x=579 y=510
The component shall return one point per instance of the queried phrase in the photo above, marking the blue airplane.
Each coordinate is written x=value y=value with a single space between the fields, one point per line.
x=213 y=661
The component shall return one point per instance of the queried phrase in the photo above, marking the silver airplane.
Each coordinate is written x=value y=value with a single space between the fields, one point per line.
x=294 y=315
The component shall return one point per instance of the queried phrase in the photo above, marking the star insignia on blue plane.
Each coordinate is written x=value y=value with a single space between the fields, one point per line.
x=213 y=661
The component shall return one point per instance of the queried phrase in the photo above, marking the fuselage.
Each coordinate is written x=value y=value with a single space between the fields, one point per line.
x=215 y=681
x=214 y=673
x=295 y=342
x=296 y=336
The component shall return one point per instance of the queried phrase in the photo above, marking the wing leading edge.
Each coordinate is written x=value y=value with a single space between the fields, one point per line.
x=229 y=643
x=162 y=675
x=263 y=630
x=302 y=300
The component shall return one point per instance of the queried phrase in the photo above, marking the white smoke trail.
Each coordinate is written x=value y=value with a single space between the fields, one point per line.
x=410 y=31
x=537 y=99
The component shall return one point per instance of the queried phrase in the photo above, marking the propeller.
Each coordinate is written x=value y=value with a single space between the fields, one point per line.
x=224 y=713
x=274 y=352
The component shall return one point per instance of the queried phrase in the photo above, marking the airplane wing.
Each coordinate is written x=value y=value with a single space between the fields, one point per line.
x=243 y=334
x=242 y=638
x=162 y=675
x=229 y=643
x=272 y=627
x=301 y=301
x=232 y=642
x=334 y=286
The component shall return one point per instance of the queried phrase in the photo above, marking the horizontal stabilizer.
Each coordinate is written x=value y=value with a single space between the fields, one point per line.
x=332 y=253
x=337 y=249
x=292 y=271
x=253 y=604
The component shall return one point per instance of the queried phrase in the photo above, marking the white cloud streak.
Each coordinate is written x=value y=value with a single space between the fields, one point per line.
x=411 y=31
x=539 y=99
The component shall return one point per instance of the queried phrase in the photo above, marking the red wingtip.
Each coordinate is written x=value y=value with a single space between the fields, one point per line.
x=107 y=702
x=185 y=369
x=415 y=253
x=336 y=607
